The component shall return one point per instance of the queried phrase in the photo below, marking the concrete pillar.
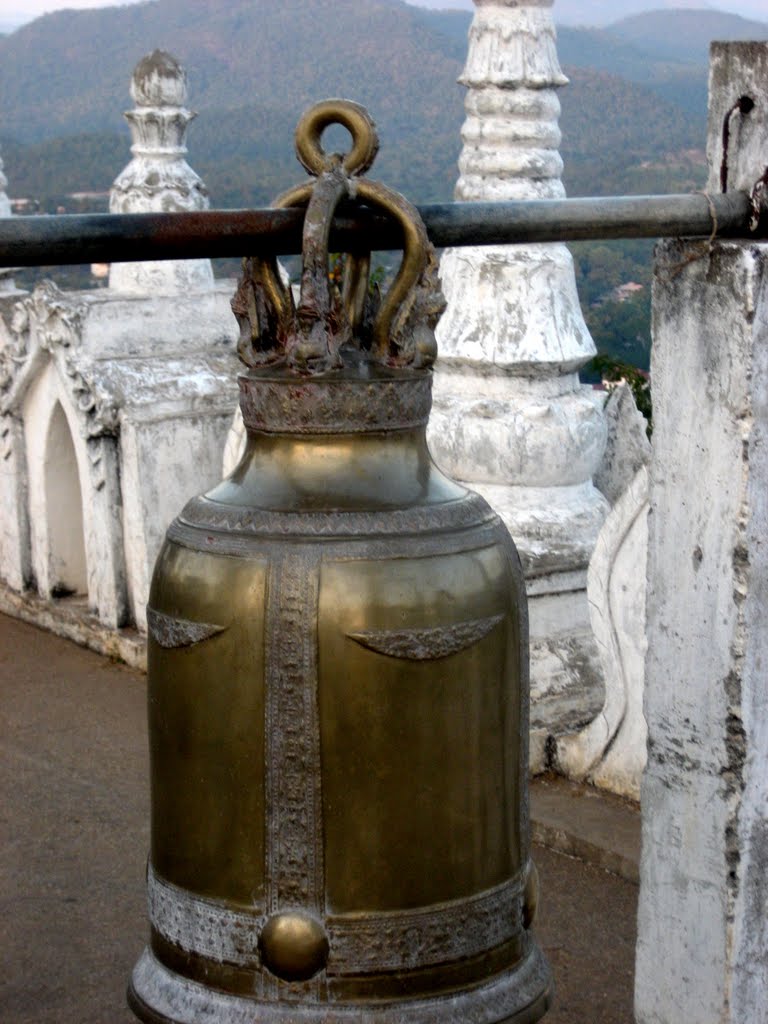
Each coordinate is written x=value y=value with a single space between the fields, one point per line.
x=702 y=953
x=158 y=179
x=510 y=416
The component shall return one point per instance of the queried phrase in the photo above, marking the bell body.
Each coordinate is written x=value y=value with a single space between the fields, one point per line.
x=338 y=720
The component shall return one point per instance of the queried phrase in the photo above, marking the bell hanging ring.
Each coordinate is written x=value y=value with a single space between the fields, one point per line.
x=338 y=675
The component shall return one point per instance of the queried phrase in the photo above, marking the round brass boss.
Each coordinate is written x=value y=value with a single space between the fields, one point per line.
x=293 y=946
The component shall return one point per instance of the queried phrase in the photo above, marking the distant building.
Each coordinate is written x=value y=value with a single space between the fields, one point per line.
x=626 y=291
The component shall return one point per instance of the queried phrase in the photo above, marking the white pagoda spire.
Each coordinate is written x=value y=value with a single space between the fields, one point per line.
x=510 y=415
x=158 y=179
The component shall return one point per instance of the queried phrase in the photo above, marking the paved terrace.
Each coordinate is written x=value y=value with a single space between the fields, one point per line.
x=74 y=838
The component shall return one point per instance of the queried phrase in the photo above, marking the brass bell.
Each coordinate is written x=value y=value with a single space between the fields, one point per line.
x=338 y=676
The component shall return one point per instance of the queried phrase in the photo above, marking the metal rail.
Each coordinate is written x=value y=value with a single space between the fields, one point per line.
x=106 y=238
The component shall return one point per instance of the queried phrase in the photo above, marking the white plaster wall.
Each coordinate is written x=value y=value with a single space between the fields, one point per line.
x=749 y=930
x=736 y=70
x=513 y=307
x=148 y=386
x=121 y=327
x=621 y=767
x=628 y=449
x=235 y=444
x=165 y=462
x=552 y=436
x=555 y=530
x=158 y=179
x=160 y=277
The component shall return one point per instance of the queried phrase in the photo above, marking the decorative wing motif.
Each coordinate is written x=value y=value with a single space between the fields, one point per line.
x=427 y=644
x=169 y=632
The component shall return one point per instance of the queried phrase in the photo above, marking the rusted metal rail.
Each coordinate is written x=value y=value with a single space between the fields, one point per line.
x=105 y=238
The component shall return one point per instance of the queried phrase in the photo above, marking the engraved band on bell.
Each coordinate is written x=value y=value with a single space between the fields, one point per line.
x=358 y=943
x=204 y=926
x=203 y=514
x=335 y=406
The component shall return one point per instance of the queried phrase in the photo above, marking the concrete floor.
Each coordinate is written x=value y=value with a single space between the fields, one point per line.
x=74 y=836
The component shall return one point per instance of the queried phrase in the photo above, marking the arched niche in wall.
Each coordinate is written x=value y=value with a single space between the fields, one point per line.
x=64 y=505
x=57 y=476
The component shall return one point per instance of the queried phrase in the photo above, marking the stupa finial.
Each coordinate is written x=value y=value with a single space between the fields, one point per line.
x=158 y=179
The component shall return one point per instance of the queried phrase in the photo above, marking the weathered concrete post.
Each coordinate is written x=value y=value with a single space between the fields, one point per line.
x=702 y=953
x=510 y=415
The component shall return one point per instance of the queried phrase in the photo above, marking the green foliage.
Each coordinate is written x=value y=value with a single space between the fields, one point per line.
x=612 y=370
x=377 y=279
x=614 y=132
x=622 y=329
x=51 y=171
x=620 y=324
x=602 y=266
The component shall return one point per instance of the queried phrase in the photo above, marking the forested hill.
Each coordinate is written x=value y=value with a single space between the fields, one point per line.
x=685 y=35
x=67 y=72
x=633 y=119
x=254 y=65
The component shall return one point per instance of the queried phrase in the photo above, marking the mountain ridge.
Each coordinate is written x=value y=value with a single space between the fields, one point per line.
x=633 y=117
x=685 y=34
x=625 y=106
x=88 y=56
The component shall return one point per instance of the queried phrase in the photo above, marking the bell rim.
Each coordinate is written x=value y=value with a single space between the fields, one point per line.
x=520 y=995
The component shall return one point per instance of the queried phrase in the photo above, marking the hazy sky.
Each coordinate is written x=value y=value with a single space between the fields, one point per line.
x=19 y=11
x=28 y=9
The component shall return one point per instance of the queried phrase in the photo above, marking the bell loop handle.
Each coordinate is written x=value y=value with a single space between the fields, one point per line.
x=352 y=116
x=414 y=262
x=309 y=338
